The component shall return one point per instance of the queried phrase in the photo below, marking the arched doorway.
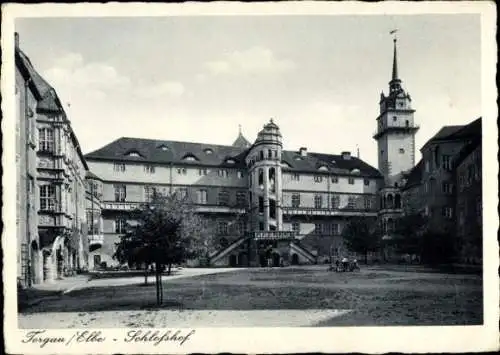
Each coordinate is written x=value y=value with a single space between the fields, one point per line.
x=233 y=260
x=243 y=259
x=295 y=259
x=276 y=259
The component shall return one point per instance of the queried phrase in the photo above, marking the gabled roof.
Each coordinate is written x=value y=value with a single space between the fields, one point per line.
x=151 y=152
x=448 y=133
x=414 y=177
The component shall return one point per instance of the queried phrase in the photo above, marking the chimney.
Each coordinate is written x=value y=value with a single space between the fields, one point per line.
x=346 y=155
x=303 y=151
x=16 y=39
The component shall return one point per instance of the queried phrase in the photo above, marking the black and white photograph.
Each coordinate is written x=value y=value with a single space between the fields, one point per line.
x=250 y=171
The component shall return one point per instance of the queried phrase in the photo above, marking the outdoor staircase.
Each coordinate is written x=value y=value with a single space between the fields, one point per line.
x=302 y=251
x=219 y=254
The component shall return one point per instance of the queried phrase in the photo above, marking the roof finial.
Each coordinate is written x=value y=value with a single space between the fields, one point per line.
x=239 y=129
x=271 y=120
x=357 y=149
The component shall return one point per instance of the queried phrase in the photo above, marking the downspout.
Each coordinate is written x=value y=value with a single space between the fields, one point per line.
x=27 y=182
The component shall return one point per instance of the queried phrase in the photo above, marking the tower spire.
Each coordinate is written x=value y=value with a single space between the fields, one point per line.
x=395 y=61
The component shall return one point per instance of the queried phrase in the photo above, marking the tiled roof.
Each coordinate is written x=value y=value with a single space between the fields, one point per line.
x=457 y=132
x=165 y=152
x=241 y=142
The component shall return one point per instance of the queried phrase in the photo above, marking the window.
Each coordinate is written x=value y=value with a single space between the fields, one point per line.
x=47 y=197
x=208 y=151
x=427 y=166
x=269 y=154
x=446 y=159
x=272 y=209
x=351 y=181
x=119 y=167
x=295 y=177
x=394 y=118
x=241 y=199
x=261 y=204
x=261 y=178
x=222 y=228
x=182 y=193
x=150 y=169
x=448 y=212
x=368 y=203
x=133 y=154
x=401 y=151
x=190 y=158
x=261 y=155
x=335 y=179
x=149 y=192
x=295 y=200
x=202 y=172
x=240 y=174
x=335 y=202
x=318 y=201
x=296 y=227
x=201 y=196
x=335 y=228
x=223 y=173
x=318 y=178
x=318 y=228
x=120 y=225
x=120 y=193
x=223 y=198
x=181 y=171
x=447 y=188
x=366 y=182
x=46 y=140
x=261 y=226
x=351 y=202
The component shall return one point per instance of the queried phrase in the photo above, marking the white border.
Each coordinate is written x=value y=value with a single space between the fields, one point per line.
x=266 y=340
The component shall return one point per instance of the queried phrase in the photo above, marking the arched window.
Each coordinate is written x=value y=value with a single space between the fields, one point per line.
x=270 y=154
x=390 y=225
x=272 y=178
x=390 y=201
x=261 y=177
x=261 y=155
x=398 y=201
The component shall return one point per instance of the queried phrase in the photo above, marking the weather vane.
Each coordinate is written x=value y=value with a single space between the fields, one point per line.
x=394 y=32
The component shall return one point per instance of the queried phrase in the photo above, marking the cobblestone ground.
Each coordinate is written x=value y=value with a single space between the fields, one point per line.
x=299 y=296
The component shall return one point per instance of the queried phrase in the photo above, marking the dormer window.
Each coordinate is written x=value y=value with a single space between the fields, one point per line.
x=133 y=153
x=189 y=157
x=355 y=171
x=298 y=157
x=163 y=147
x=208 y=151
x=230 y=161
x=323 y=168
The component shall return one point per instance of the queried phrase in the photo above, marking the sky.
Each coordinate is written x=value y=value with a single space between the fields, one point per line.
x=197 y=78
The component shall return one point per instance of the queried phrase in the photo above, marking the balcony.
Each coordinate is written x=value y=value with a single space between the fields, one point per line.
x=406 y=129
x=120 y=206
x=273 y=235
x=219 y=209
x=311 y=211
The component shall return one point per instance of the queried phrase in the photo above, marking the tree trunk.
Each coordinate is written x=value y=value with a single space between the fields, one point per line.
x=146 y=275
x=169 y=269
x=157 y=285
x=366 y=257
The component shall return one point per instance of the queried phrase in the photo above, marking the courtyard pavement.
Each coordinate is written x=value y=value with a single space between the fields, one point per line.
x=291 y=296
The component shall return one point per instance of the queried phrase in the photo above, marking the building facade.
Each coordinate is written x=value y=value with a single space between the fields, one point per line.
x=28 y=244
x=469 y=204
x=57 y=239
x=265 y=204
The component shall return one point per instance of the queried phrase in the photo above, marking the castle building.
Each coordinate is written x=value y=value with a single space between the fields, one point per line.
x=54 y=172
x=265 y=204
x=395 y=136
